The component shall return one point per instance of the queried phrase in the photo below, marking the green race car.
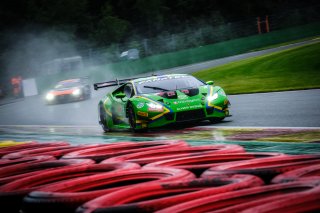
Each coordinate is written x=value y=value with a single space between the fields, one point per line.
x=157 y=101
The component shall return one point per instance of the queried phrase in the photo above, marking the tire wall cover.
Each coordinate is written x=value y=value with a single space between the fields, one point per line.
x=154 y=174
x=30 y=145
x=150 y=156
x=126 y=199
x=259 y=194
x=111 y=150
x=265 y=168
x=307 y=172
x=6 y=163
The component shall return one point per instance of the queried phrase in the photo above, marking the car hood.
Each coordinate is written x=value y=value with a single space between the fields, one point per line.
x=180 y=100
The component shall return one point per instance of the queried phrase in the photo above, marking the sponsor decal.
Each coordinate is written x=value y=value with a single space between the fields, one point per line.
x=144 y=114
x=186 y=101
x=140 y=105
x=155 y=109
x=162 y=78
x=182 y=97
x=189 y=107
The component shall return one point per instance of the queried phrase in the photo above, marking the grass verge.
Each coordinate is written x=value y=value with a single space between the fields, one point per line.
x=293 y=69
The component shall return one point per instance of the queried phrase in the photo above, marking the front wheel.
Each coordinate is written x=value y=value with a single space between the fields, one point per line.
x=103 y=119
x=132 y=119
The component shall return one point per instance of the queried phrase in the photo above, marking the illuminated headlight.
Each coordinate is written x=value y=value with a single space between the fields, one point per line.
x=212 y=98
x=76 y=92
x=155 y=107
x=50 y=97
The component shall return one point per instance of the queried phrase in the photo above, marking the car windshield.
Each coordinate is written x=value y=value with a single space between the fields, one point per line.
x=167 y=83
x=67 y=84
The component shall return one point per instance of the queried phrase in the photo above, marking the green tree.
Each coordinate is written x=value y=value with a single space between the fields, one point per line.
x=110 y=29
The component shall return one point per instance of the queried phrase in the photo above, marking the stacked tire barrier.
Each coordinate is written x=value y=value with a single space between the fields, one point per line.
x=154 y=176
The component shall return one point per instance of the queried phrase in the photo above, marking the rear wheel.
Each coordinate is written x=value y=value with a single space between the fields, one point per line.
x=103 y=118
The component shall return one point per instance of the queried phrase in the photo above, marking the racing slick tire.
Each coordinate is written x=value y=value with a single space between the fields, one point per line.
x=103 y=119
x=132 y=120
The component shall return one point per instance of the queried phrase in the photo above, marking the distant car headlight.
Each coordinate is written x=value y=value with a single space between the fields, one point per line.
x=212 y=98
x=50 y=96
x=76 y=92
x=155 y=107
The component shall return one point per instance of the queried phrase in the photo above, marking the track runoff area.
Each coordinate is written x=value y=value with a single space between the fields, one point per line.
x=195 y=169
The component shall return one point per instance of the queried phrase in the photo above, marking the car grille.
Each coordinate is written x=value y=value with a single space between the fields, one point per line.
x=190 y=115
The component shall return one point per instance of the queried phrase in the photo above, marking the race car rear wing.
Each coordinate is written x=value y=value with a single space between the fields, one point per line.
x=115 y=83
x=111 y=83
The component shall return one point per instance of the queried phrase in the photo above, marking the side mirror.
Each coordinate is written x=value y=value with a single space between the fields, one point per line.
x=210 y=82
x=120 y=95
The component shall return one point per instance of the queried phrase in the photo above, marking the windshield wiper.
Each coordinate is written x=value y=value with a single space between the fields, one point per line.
x=156 y=88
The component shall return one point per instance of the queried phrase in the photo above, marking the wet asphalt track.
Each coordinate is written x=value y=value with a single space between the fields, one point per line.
x=278 y=109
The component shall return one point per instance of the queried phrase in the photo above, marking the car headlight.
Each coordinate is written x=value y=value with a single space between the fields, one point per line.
x=213 y=97
x=76 y=92
x=50 y=96
x=221 y=92
x=155 y=107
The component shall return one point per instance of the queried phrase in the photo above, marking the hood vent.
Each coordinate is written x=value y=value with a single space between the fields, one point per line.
x=168 y=95
x=190 y=92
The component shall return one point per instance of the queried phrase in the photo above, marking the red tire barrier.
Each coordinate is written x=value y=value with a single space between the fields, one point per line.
x=56 y=151
x=150 y=156
x=156 y=196
x=5 y=163
x=236 y=201
x=266 y=168
x=308 y=172
x=11 y=194
x=68 y=195
x=116 y=149
x=19 y=171
x=30 y=145
x=301 y=202
x=198 y=164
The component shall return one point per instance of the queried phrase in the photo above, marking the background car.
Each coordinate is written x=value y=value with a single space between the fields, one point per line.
x=69 y=90
x=157 y=101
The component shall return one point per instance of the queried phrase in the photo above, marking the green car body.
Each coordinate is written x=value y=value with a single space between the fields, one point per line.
x=157 y=101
